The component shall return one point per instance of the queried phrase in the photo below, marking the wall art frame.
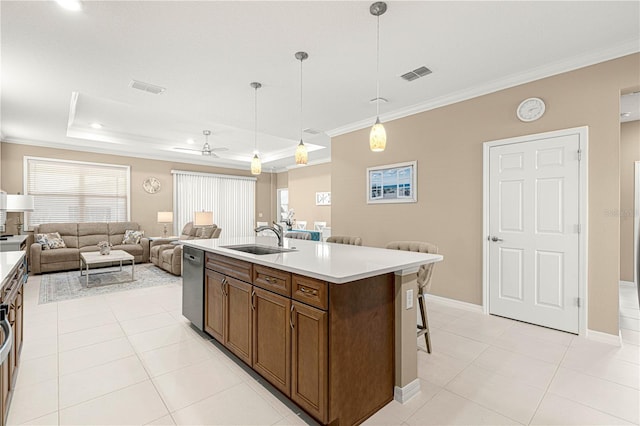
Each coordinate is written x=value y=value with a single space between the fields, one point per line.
x=393 y=183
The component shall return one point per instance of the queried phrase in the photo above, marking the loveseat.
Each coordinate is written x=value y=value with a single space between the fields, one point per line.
x=82 y=237
x=167 y=254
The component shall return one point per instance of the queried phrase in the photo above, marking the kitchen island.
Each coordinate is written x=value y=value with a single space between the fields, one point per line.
x=332 y=326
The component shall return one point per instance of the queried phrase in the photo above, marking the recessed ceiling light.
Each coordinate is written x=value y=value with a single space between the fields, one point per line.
x=190 y=141
x=96 y=126
x=74 y=5
x=625 y=114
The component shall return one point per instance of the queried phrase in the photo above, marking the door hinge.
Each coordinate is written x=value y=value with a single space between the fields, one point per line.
x=579 y=155
x=579 y=228
x=578 y=302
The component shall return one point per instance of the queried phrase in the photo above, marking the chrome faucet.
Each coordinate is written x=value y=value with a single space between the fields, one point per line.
x=277 y=229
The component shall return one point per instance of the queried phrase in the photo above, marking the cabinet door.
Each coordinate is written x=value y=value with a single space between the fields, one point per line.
x=309 y=373
x=272 y=338
x=238 y=320
x=214 y=305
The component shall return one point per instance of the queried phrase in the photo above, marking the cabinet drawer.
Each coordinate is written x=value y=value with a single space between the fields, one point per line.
x=229 y=266
x=272 y=279
x=310 y=291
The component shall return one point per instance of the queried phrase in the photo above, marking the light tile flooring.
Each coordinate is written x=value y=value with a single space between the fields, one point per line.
x=131 y=358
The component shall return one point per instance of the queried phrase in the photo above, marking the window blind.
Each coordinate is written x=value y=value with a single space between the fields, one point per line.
x=74 y=191
x=230 y=198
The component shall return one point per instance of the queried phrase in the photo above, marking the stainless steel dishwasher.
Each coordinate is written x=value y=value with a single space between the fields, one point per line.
x=193 y=285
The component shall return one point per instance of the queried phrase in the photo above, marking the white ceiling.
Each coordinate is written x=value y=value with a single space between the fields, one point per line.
x=62 y=70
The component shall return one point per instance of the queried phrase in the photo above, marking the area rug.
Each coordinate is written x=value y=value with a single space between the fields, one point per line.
x=55 y=287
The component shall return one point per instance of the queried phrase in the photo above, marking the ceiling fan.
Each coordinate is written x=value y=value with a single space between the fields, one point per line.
x=206 y=148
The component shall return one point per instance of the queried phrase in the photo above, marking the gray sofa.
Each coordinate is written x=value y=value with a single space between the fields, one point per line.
x=83 y=237
x=167 y=254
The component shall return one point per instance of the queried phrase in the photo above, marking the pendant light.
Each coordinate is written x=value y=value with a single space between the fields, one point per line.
x=256 y=166
x=302 y=157
x=378 y=136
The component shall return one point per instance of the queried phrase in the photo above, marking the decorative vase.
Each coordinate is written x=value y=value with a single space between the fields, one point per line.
x=105 y=250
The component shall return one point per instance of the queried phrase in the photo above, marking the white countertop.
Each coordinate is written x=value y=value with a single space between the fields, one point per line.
x=8 y=260
x=336 y=263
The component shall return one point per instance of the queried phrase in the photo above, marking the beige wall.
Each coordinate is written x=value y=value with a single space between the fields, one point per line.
x=629 y=154
x=447 y=143
x=144 y=206
x=303 y=183
x=282 y=180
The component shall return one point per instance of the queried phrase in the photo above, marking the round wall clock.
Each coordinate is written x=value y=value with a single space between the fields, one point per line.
x=151 y=185
x=530 y=109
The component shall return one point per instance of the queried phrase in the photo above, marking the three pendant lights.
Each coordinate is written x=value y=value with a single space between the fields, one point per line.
x=377 y=136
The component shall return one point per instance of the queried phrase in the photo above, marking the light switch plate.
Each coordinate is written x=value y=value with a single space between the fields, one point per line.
x=409 y=303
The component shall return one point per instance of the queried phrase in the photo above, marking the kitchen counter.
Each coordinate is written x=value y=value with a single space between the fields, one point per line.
x=8 y=261
x=335 y=263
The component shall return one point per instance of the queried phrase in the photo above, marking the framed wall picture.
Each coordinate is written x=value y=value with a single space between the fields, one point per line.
x=394 y=183
x=323 y=198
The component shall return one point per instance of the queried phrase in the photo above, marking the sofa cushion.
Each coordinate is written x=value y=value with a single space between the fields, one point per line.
x=90 y=234
x=132 y=249
x=132 y=236
x=68 y=232
x=60 y=255
x=117 y=230
x=50 y=241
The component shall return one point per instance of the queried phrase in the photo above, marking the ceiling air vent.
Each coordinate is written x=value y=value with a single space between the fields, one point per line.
x=415 y=74
x=147 y=87
x=311 y=131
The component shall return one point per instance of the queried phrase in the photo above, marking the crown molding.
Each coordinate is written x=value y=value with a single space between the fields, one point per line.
x=558 y=67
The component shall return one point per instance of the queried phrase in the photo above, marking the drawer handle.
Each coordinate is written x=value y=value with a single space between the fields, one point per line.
x=253 y=300
x=5 y=349
x=291 y=316
x=222 y=283
x=270 y=280
x=309 y=292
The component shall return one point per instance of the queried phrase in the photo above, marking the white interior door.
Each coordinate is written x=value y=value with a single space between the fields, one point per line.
x=534 y=231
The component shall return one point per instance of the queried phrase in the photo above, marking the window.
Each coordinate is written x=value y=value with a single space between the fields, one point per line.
x=75 y=191
x=232 y=200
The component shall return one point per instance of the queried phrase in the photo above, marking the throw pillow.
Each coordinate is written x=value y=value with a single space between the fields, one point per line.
x=51 y=240
x=132 y=237
x=42 y=240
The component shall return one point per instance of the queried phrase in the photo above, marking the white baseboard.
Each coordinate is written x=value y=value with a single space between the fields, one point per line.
x=627 y=283
x=403 y=394
x=598 y=336
x=455 y=303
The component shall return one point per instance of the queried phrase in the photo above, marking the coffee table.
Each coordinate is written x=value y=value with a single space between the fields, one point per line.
x=94 y=258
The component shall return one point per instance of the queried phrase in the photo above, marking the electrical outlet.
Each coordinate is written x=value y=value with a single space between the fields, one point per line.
x=260 y=214
x=409 y=299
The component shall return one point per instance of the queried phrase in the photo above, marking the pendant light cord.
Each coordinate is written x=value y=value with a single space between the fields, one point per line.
x=255 y=134
x=378 y=68
x=301 y=59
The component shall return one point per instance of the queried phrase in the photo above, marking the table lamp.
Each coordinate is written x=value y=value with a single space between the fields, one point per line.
x=164 y=218
x=202 y=219
x=19 y=203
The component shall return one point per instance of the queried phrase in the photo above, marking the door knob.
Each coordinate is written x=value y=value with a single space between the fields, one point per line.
x=496 y=239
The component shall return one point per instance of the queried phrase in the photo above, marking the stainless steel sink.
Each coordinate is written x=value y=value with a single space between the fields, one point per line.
x=258 y=249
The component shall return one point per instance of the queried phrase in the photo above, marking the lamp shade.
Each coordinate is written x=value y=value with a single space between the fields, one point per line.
x=20 y=203
x=165 y=217
x=203 y=219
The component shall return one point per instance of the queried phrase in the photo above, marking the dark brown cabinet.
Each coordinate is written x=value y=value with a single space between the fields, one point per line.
x=11 y=294
x=228 y=313
x=328 y=347
x=272 y=338
x=309 y=359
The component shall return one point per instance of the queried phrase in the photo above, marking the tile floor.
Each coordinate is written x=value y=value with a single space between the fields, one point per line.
x=131 y=358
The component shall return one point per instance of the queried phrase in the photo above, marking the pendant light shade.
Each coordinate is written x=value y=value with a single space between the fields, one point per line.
x=378 y=135
x=256 y=165
x=302 y=157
